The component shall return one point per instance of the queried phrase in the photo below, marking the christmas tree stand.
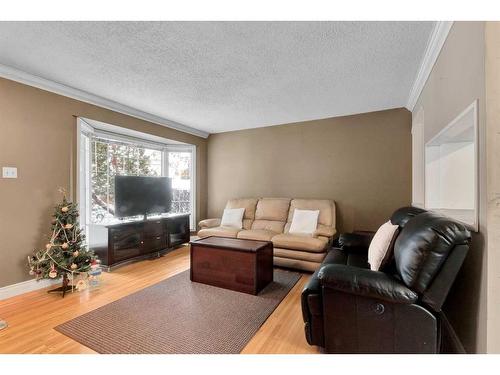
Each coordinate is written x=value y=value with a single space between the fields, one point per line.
x=63 y=288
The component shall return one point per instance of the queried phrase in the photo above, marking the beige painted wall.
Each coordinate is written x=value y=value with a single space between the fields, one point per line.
x=456 y=80
x=38 y=136
x=363 y=162
x=492 y=42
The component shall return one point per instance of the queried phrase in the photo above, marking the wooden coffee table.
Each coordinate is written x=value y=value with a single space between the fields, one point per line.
x=242 y=265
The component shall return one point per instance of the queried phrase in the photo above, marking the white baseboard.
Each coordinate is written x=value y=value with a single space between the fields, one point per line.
x=24 y=287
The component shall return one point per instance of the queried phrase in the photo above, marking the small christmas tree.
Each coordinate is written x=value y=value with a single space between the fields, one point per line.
x=65 y=254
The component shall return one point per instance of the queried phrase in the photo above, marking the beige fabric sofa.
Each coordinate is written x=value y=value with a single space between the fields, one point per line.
x=269 y=219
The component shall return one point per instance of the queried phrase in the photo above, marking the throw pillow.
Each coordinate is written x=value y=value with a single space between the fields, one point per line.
x=380 y=250
x=304 y=222
x=233 y=217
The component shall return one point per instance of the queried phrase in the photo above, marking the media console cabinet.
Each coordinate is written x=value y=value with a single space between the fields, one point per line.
x=133 y=240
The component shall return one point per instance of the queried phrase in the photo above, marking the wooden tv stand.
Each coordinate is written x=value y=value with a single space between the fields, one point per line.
x=136 y=239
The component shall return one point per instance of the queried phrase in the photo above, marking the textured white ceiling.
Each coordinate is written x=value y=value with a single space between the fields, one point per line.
x=222 y=76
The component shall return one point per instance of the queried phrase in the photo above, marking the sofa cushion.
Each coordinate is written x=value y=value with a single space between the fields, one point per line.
x=248 y=204
x=275 y=209
x=247 y=223
x=326 y=209
x=275 y=226
x=229 y=232
x=358 y=260
x=402 y=215
x=304 y=243
x=257 y=234
x=299 y=255
x=424 y=244
x=297 y=264
x=338 y=256
x=321 y=230
x=335 y=256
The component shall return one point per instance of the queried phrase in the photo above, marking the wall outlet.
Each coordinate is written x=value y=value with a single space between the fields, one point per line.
x=9 y=172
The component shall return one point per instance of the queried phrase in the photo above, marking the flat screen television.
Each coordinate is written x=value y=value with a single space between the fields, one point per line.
x=142 y=195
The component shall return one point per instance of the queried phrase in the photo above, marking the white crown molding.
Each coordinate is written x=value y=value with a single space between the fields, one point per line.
x=61 y=89
x=434 y=46
x=25 y=287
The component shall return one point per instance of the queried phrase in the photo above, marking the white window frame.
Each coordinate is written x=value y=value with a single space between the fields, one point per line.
x=83 y=128
x=93 y=128
x=192 y=173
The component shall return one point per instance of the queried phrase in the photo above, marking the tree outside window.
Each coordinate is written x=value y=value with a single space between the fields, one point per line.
x=179 y=169
x=109 y=159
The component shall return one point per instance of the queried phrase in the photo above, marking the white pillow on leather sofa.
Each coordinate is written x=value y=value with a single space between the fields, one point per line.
x=380 y=251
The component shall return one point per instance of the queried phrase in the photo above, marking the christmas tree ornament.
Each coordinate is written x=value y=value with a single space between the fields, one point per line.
x=52 y=272
x=65 y=209
x=73 y=266
x=75 y=253
x=68 y=226
x=65 y=245
x=48 y=246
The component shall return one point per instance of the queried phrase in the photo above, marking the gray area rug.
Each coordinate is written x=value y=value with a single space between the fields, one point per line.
x=177 y=316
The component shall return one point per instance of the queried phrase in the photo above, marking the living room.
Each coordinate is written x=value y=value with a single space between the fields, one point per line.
x=220 y=186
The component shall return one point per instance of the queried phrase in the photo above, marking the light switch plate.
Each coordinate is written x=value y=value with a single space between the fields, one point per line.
x=9 y=172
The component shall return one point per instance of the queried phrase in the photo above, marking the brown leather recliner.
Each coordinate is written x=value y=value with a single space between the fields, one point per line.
x=348 y=308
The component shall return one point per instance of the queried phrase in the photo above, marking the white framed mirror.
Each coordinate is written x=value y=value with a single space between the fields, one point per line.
x=451 y=169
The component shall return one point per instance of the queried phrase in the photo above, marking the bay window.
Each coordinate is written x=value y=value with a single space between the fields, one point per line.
x=104 y=154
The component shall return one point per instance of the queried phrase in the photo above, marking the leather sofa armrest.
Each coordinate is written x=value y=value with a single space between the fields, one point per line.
x=312 y=311
x=355 y=242
x=209 y=223
x=324 y=231
x=365 y=283
x=313 y=287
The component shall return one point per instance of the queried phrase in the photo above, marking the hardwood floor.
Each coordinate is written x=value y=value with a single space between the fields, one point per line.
x=32 y=316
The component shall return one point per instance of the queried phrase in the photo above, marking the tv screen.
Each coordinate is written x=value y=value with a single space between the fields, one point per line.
x=142 y=195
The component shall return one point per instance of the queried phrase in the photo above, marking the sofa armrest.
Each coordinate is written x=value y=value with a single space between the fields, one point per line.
x=324 y=231
x=365 y=283
x=209 y=223
x=312 y=311
x=313 y=287
x=355 y=242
